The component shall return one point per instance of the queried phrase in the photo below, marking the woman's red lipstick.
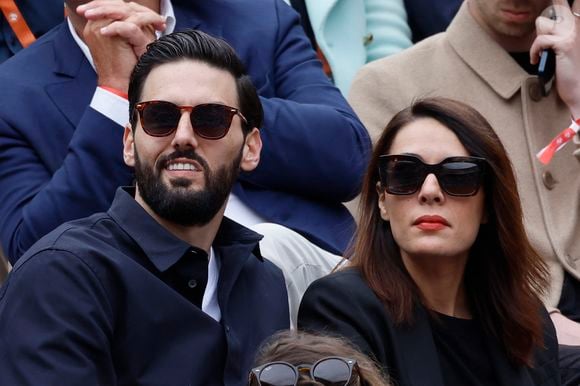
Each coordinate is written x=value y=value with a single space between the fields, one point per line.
x=431 y=223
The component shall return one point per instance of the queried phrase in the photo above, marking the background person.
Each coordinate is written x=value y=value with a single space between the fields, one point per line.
x=488 y=58
x=63 y=84
x=303 y=350
x=444 y=286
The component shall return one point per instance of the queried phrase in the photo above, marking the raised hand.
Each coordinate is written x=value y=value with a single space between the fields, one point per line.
x=117 y=33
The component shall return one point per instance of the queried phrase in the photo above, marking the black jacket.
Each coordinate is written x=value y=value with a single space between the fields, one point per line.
x=342 y=303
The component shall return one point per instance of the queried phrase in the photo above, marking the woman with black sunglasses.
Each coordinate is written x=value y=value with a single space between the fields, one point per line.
x=291 y=358
x=443 y=286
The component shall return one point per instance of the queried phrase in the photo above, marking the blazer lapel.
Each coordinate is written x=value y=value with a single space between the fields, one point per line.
x=420 y=361
x=75 y=79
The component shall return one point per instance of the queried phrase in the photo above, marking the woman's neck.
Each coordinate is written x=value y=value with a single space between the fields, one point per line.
x=440 y=281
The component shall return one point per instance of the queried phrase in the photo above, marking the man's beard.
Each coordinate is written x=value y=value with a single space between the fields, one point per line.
x=177 y=203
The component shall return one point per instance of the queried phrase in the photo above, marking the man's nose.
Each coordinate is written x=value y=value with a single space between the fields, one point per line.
x=184 y=134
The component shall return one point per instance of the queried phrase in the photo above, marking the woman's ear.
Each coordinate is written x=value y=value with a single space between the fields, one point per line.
x=381 y=202
x=128 y=146
x=251 y=151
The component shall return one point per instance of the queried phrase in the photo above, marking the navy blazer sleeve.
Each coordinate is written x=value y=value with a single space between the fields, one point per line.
x=314 y=144
x=56 y=331
x=50 y=170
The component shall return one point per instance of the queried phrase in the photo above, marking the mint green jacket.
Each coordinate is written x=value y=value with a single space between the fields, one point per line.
x=351 y=33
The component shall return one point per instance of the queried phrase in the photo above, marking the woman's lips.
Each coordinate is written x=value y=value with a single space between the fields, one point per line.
x=431 y=223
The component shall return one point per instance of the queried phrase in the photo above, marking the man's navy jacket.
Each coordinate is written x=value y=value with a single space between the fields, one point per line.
x=61 y=160
x=86 y=305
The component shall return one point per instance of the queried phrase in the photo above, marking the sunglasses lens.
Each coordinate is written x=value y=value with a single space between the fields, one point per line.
x=331 y=372
x=278 y=374
x=403 y=176
x=211 y=121
x=160 y=118
x=460 y=178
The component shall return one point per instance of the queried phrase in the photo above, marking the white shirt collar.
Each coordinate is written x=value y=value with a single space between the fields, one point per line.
x=166 y=9
x=210 y=304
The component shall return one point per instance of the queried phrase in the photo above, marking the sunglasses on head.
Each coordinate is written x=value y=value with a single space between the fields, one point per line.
x=329 y=371
x=405 y=174
x=209 y=120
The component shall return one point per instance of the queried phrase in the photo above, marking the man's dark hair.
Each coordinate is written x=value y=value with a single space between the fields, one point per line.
x=197 y=45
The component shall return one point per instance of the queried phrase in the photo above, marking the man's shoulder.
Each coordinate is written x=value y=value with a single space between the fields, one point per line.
x=80 y=238
x=426 y=51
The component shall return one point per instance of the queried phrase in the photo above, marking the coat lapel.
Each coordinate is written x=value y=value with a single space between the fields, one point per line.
x=420 y=363
x=487 y=59
x=75 y=79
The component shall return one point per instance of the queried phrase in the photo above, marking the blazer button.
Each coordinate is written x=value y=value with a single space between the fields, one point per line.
x=535 y=91
x=367 y=39
x=549 y=180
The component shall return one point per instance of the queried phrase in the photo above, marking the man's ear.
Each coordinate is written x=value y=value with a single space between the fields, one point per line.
x=251 y=151
x=129 y=146
x=381 y=202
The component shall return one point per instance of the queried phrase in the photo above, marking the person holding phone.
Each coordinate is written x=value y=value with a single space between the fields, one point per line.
x=443 y=286
x=488 y=58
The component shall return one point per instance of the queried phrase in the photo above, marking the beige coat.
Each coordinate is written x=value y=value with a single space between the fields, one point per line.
x=464 y=63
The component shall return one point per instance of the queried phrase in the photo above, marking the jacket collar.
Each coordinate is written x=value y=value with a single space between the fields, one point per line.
x=487 y=58
x=233 y=242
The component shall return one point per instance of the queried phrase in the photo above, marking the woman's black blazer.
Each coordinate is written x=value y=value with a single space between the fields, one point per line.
x=343 y=304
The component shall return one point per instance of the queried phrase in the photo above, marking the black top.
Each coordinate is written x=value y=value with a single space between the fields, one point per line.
x=98 y=302
x=462 y=351
x=523 y=59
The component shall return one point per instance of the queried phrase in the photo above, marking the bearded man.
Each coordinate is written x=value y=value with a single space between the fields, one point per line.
x=161 y=289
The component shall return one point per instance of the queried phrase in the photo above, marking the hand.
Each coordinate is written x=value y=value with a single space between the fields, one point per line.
x=117 y=34
x=562 y=36
x=568 y=331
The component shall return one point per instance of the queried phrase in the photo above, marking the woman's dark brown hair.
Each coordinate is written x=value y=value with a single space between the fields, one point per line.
x=297 y=348
x=504 y=276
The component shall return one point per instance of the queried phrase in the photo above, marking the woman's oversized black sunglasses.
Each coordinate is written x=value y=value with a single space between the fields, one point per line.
x=458 y=176
x=209 y=120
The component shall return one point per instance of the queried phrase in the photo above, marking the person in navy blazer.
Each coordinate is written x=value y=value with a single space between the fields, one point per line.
x=444 y=286
x=60 y=159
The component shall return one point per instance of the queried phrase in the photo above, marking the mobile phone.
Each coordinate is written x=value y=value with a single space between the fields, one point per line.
x=546 y=70
x=547 y=65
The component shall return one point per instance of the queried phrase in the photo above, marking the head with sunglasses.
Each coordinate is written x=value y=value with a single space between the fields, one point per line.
x=296 y=358
x=440 y=207
x=194 y=119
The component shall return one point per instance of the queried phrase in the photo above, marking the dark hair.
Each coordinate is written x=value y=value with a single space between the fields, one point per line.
x=199 y=46
x=297 y=348
x=504 y=275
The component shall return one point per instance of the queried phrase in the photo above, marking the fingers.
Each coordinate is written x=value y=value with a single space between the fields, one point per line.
x=541 y=43
x=136 y=36
x=119 y=10
x=558 y=32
